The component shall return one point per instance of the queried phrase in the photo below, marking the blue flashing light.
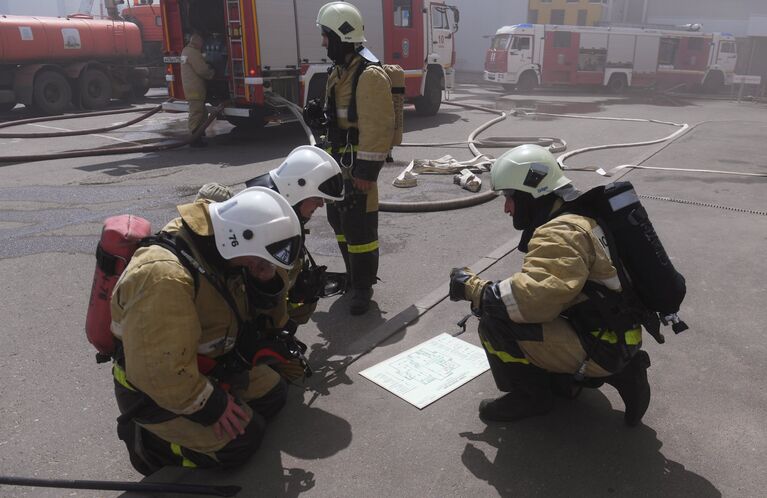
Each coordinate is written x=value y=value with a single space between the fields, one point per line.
x=526 y=25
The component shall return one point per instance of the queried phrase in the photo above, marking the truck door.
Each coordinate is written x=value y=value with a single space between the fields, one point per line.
x=560 y=57
x=520 y=53
x=727 y=56
x=441 y=34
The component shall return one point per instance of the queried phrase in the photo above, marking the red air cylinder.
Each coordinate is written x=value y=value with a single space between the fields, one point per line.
x=120 y=238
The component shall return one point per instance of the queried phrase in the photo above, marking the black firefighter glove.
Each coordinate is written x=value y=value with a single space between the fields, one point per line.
x=314 y=115
x=276 y=348
x=465 y=285
x=309 y=286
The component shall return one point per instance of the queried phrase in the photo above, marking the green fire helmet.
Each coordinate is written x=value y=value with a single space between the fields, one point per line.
x=344 y=19
x=528 y=168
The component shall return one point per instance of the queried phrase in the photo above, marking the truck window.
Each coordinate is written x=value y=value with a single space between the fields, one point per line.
x=728 y=48
x=667 y=51
x=439 y=18
x=562 y=39
x=403 y=10
x=520 y=43
x=500 y=42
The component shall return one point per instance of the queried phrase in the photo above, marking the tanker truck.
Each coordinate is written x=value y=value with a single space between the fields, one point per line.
x=51 y=63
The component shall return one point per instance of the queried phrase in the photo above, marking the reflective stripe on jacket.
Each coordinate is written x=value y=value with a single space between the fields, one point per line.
x=375 y=113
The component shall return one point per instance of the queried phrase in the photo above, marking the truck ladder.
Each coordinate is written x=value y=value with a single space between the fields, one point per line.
x=236 y=50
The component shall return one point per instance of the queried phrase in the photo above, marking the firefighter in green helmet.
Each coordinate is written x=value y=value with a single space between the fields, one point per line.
x=542 y=335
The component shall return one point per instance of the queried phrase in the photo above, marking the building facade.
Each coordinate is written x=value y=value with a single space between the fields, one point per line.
x=573 y=12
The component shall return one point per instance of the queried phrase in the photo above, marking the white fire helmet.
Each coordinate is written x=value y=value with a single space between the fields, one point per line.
x=308 y=171
x=257 y=222
x=344 y=19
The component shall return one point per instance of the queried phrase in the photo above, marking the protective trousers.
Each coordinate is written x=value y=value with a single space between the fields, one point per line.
x=156 y=438
x=514 y=350
x=197 y=114
x=355 y=223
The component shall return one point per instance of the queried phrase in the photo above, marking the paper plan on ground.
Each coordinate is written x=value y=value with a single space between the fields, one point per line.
x=425 y=373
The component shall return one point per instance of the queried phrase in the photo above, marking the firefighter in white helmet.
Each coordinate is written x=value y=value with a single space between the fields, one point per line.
x=360 y=131
x=538 y=327
x=307 y=178
x=189 y=395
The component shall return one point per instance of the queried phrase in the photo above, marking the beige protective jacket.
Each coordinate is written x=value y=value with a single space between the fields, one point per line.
x=562 y=255
x=164 y=324
x=375 y=113
x=194 y=72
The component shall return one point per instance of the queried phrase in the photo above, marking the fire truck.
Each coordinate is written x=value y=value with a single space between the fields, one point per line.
x=524 y=56
x=266 y=48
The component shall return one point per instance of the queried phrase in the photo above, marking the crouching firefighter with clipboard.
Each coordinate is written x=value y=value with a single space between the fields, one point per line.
x=593 y=275
x=192 y=375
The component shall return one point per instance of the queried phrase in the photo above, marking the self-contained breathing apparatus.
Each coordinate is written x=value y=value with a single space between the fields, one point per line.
x=653 y=290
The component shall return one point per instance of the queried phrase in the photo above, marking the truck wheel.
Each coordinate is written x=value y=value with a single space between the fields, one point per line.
x=507 y=87
x=7 y=106
x=428 y=104
x=51 y=93
x=139 y=90
x=617 y=83
x=713 y=82
x=527 y=82
x=95 y=89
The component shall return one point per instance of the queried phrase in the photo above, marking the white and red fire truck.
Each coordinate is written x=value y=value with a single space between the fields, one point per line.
x=273 y=47
x=527 y=55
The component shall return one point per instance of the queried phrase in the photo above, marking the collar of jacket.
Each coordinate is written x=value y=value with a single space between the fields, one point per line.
x=351 y=65
x=197 y=217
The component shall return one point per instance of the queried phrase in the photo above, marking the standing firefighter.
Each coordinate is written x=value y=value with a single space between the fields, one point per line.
x=360 y=134
x=194 y=73
x=178 y=309
x=565 y=320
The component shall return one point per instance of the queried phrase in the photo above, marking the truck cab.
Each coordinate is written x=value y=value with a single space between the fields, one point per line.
x=512 y=59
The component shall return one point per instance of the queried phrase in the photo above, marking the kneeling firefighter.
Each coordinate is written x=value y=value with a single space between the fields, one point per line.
x=307 y=178
x=181 y=304
x=360 y=134
x=562 y=322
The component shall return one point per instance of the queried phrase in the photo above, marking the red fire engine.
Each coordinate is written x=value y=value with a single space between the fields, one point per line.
x=528 y=55
x=273 y=47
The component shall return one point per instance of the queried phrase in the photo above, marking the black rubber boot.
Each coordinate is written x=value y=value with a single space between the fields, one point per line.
x=632 y=385
x=530 y=397
x=360 y=302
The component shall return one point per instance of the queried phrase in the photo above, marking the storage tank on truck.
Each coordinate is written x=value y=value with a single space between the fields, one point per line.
x=50 y=62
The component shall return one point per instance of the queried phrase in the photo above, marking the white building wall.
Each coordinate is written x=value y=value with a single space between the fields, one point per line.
x=479 y=20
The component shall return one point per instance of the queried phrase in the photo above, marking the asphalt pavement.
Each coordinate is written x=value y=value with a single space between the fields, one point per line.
x=704 y=434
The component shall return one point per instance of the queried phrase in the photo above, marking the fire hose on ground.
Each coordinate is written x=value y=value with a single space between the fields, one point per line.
x=119 y=150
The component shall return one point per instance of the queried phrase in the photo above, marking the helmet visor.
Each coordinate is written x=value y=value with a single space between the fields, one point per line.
x=333 y=187
x=285 y=251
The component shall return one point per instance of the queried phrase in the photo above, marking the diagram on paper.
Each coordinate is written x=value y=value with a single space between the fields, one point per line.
x=425 y=373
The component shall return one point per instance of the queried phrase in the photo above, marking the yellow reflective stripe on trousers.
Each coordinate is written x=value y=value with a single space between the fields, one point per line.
x=341 y=238
x=503 y=355
x=121 y=377
x=362 y=248
x=633 y=336
x=185 y=462
x=343 y=149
